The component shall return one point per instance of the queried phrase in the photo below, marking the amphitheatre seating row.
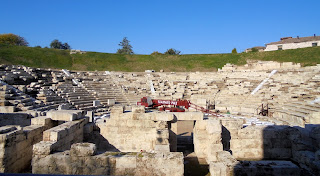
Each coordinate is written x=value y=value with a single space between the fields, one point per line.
x=229 y=89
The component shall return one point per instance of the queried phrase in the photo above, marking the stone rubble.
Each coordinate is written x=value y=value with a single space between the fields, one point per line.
x=88 y=122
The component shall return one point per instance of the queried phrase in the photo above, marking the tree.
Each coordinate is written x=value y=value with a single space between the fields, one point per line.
x=172 y=51
x=126 y=47
x=254 y=50
x=13 y=39
x=66 y=46
x=56 y=44
x=234 y=51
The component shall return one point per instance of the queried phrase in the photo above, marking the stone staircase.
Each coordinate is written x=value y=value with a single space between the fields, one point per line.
x=77 y=96
x=105 y=89
x=298 y=113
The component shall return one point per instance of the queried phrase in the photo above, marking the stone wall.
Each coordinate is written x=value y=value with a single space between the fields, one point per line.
x=128 y=135
x=16 y=147
x=226 y=164
x=61 y=137
x=207 y=139
x=82 y=160
x=286 y=46
x=21 y=119
x=264 y=142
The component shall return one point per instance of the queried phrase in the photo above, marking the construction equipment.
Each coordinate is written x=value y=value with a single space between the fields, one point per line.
x=166 y=105
x=264 y=110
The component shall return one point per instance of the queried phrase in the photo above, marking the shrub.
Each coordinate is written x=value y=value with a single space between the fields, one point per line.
x=234 y=51
x=172 y=51
x=156 y=53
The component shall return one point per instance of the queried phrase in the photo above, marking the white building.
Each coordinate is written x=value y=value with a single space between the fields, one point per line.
x=293 y=43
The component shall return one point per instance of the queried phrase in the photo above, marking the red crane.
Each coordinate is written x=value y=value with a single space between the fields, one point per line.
x=178 y=104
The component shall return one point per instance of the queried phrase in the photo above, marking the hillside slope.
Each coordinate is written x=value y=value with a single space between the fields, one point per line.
x=53 y=58
x=35 y=57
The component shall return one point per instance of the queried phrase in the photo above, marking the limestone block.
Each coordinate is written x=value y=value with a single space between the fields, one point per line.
x=162 y=141
x=63 y=107
x=188 y=115
x=315 y=118
x=96 y=103
x=246 y=143
x=163 y=133
x=214 y=138
x=116 y=111
x=213 y=126
x=266 y=168
x=251 y=132
x=162 y=148
x=65 y=133
x=218 y=169
x=201 y=124
x=248 y=154
x=213 y=152
x=138 y=109
x=83 y=149
x=88 y=128
x=111 y=102
x=42 y=120
x=126 y=162
x=161 y=116
x=65 y=115
x=6 y=129
x=160 y=125
x=90 y=115
x=43 y=148
x=7 y=109
x=226 y=158
x=279 y=153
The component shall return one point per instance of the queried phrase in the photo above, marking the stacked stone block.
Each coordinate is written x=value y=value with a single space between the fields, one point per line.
x=16 y=147
x=82 y=160
x=134 y=132
x=207 y=139
x=264 y=142
x=64 y=135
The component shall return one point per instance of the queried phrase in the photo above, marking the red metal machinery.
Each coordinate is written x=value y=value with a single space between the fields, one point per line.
x=178 y=104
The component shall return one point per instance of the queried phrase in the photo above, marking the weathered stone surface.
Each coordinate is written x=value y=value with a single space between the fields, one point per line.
x=16 y=147
x=127 y=135
x=7 y=109
x=83 y=149
x=207 y=139
x=65 y=115
x=138 y=109
x=266 y=168
x=155 y=116
x=116 y=111
x=65 y=134
x=21 y=119
x=162 y=163
x=188 y=115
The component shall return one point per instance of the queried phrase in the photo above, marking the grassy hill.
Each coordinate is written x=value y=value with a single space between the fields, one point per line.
x=53 y=58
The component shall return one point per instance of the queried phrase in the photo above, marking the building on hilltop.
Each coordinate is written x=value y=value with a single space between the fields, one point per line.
x=258 y=48
x=73 y=51
x=293 y=43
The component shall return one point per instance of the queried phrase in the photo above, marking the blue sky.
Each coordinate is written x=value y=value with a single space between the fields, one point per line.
x=193 y=27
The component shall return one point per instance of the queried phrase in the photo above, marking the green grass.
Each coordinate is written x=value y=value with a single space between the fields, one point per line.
x=305 y=56
x=35 y=57
x=131 y=63
x=53 y=58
